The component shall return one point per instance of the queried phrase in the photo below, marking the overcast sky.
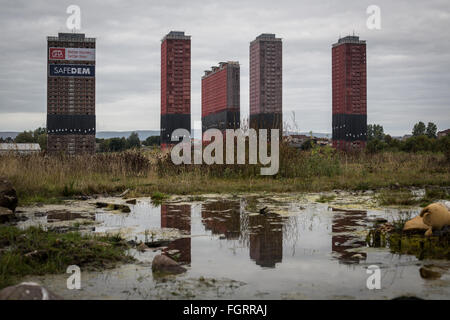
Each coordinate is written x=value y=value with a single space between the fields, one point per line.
x=408 y=60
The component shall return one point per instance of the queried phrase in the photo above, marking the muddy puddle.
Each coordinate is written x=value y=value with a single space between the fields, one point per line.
x=247 y=247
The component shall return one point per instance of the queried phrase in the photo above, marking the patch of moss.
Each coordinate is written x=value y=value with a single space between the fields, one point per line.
x=158 y=197
x=403 y=197
x=196 y=198
x=420 y=246
x=433 y=194
x=415 y=244
x=36 y=252
x=326 y=198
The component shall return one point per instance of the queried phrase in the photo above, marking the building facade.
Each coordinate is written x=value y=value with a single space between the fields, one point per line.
x=71 y=94
x=221 y=97
x=175 y=85
x=266 y=82
x=349 y=85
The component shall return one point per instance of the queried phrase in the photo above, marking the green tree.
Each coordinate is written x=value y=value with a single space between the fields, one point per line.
x=375 y=131
x=42 y=140
x=443 y=145
x=117 y=144
x=419 y=143
x=152 y=141
x=308 y=144
x=39 y=131
x=25 y=137
x=431 y=130
x=104 y=145
x=375 y=145
x=419 y=129
x=133 y=141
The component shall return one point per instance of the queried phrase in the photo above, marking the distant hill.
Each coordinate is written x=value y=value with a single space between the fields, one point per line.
x=144 y=134
x=314 y=134
x=5 y=135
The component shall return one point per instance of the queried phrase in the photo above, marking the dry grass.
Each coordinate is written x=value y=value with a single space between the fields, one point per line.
x=40 y=178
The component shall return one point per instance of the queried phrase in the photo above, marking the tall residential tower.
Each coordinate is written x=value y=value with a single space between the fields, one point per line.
x=266 y=82
x=221 y=97
x=71 y=94
x=349 y=124
x=175 y=85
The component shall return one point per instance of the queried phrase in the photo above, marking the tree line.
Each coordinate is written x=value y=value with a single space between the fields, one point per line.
x=37 y=136
x=423 y=139
x=105 y=145
x=121 y=144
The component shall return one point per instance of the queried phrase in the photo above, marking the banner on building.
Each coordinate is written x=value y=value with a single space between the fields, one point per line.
x=75 y=54
x=72 y=70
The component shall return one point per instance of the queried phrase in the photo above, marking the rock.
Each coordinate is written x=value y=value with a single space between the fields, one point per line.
x=99 y=204
x=27 y=291
x=164 y=264
x=158 y=243
x=6 y=215
x=120 y=207
x=131 y=201
x=436 y=216
x=385 y=228
x=8 y=195
x=113 y=206
x=415 y=224
x=427 y=273
x=142 y=247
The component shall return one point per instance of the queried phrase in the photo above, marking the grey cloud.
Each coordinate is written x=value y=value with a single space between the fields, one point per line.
x=408 y=59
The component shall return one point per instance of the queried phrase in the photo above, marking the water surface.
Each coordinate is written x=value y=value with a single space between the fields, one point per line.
x=299 y=250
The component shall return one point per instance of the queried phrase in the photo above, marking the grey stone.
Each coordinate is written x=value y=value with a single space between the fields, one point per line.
x=8 y=195
x=166 y=265
x=6 y=215
x=28 y=291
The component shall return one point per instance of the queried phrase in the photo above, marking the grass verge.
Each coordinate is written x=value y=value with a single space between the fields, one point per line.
x=36 y=252
x=48 y=179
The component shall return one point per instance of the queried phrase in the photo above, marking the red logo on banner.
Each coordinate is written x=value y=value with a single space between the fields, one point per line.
x=57 y=53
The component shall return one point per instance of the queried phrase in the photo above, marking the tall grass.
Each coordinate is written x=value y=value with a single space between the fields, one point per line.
x=48 y=178
x=54 y=176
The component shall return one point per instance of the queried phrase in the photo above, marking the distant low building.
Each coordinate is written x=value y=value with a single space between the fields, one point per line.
x=406 y=137
x=21 y=148
x=297 y=140
x=323 y=141
x=444 y=133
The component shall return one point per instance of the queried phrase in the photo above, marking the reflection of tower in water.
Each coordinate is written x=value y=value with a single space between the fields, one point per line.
x=222 y=217
x=266 y=239
x=342 y=241
x=178 y=217
x=262 y=233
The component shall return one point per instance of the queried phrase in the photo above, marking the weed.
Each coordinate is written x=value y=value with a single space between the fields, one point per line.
x=326 y=198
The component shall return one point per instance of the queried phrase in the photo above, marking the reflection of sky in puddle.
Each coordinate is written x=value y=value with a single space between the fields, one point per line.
x=313 y=252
